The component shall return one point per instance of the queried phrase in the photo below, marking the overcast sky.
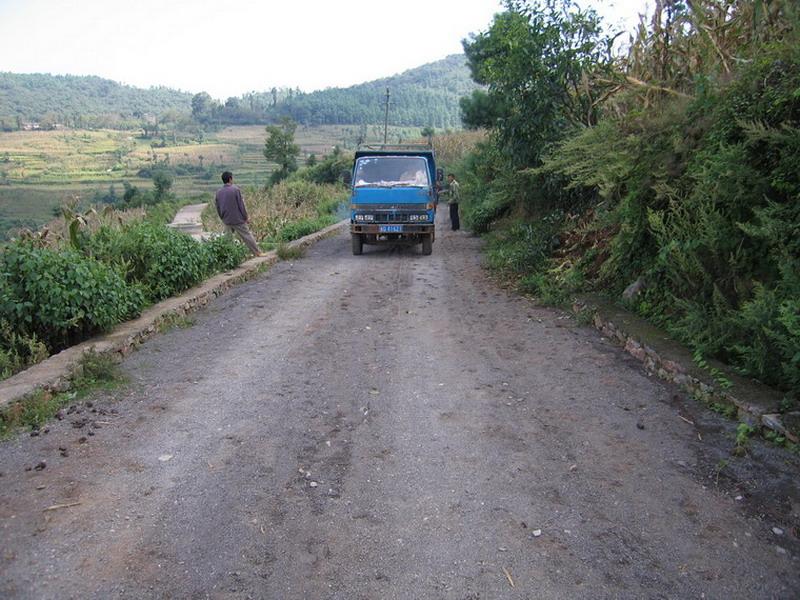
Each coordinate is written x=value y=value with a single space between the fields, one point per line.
x=234 y=46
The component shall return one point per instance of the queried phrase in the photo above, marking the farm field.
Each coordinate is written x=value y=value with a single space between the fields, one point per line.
x=41 y=170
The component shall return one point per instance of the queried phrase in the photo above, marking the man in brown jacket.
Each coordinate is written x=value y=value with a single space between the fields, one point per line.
x=230 y=208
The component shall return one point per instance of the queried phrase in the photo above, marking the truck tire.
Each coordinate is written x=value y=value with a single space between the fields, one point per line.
x=358 y=243
x=427 y=244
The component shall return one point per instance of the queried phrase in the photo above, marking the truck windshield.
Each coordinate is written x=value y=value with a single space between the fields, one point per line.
x=391 y=171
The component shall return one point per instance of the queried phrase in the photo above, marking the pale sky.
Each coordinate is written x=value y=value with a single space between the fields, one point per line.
x=230 y=47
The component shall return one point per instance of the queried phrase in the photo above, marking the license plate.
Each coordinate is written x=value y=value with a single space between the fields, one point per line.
x=390 y=228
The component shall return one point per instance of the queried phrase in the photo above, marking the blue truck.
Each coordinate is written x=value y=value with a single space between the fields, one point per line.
x=394 y=196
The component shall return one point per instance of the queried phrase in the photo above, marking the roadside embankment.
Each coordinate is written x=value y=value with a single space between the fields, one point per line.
x=56 y=373
x=717 y=385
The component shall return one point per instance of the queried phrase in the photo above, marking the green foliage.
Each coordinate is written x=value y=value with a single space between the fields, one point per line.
x=328 y=170
x=79 y=101
x=281 y=149
x=535 y=58
x=223 y=253
x=160 y=260
x=162 y=182
x=688 y=164
x=302 y=227
x=426 y=96
x=96 y=370
x=62 y=296
x=18 y=351
x=743 y=434
x=34 y=411
x=53 y=297
x=286 y=252
x=481 y=110
x=174 y=321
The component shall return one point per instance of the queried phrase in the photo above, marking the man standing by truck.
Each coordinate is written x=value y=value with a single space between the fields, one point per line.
x=453 y=192
x=231 y=209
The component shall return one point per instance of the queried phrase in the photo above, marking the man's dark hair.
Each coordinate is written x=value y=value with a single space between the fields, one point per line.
x=227 y=176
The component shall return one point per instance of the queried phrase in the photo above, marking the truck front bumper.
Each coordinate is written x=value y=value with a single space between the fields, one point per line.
x=381 y=229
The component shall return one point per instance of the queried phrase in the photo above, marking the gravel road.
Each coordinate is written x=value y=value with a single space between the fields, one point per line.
x=392 y=426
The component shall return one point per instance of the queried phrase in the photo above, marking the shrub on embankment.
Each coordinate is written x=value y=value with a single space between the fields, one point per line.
x=55 y=292
x=687 y=180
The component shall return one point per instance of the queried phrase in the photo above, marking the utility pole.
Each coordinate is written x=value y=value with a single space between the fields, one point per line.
x=386 y=118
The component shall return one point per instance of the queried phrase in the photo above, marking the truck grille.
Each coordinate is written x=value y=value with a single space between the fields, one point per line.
x=392 y=217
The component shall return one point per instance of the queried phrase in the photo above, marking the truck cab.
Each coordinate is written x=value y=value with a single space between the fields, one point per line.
x=393 y=196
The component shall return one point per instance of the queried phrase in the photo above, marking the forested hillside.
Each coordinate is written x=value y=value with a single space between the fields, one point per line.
x=81 y=101
x=427 y=95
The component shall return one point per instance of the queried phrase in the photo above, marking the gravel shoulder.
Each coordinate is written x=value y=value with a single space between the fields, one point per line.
x=392 y=426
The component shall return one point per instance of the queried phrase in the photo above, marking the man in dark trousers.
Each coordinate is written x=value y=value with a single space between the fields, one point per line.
x=230 y=208
x=453 y=197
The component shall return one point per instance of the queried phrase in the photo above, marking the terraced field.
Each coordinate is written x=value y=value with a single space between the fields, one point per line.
x=40 y=170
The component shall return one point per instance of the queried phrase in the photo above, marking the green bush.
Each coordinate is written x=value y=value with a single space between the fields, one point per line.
x=524 y=247
x=704 y=195
x=297 y=229
x=51 y=298
x=18 y=351
x=62 y=296
x=162 y=260
x=224 y=253
x=329 y=170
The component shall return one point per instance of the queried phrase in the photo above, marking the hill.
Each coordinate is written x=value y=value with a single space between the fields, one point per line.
x=426 y=95
x=81 y=101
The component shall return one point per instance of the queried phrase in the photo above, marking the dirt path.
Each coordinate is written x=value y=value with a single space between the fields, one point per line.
x=392 y=426
x=188 y=219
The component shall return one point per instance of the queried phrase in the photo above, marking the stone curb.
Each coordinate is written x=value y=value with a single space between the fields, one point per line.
x=56 y=373
x=755 y=403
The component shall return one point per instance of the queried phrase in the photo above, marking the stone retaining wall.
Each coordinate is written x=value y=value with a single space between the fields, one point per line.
x=755 y=403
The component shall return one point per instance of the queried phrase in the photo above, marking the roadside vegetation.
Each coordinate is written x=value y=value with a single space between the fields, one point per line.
x=674 y=167
x=33 y=412
x=298 y=201
x=89 y=270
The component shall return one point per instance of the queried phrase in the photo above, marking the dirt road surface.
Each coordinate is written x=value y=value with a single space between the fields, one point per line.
x=392 y=426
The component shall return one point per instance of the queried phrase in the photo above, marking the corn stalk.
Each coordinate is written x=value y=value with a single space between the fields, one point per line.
x=704 y=39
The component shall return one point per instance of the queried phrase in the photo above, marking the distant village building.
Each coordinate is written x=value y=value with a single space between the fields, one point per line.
x=34 y=126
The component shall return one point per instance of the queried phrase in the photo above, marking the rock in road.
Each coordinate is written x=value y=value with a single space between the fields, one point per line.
x=385 y=426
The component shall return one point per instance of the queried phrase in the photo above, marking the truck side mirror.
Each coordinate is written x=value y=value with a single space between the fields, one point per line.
x=439 y=174
x=347 y=177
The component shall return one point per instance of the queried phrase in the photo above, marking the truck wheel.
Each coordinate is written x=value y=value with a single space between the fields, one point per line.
x=427 y=244
x=358 y=243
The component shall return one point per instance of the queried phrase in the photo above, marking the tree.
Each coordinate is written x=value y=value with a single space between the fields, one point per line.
x=540 y=60
x=428 y=132
x=280 y=148
x=162 y=182
x=480 y=110
x=201 y=106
